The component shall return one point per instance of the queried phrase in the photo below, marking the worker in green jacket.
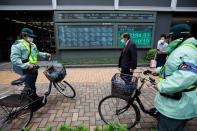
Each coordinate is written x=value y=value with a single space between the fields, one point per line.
x=176 y=99
x=23 y=56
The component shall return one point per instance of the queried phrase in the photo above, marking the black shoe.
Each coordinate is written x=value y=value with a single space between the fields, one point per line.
x=34 y=96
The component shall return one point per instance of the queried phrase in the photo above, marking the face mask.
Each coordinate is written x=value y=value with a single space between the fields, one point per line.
x=29 y=39
x=122 y=40
x=161 y=41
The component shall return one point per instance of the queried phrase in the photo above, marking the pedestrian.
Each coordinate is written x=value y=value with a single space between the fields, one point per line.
x=176 y=99
x=161 y=54
x=23 y=56
x=128 y=56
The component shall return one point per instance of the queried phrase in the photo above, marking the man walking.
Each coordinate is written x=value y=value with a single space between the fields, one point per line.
x=128 y=56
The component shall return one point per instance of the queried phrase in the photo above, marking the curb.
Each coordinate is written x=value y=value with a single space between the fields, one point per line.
x=73 y=66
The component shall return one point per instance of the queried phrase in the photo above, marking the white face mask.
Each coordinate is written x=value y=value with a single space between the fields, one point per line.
x=161 y=41
x=122 y=40
x=29 y=39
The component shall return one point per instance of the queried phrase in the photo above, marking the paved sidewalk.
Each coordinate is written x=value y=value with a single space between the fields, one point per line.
x=91 y=85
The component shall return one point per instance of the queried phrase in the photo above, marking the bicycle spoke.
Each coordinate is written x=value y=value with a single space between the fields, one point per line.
x=14 y=118
x=65 y=88
x=115 y=109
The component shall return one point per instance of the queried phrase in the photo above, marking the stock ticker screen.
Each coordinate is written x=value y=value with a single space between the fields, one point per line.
x=141 y=35
x=101 y=36
x=80 y=36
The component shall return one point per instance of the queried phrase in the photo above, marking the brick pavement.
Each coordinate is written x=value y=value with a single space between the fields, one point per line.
x=91 y=85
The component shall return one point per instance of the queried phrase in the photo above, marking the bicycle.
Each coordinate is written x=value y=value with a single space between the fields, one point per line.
x=17 y=110
x=121 y=105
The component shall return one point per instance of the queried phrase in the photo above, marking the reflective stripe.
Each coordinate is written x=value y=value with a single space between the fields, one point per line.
x=160 y=78
x=191 y=87
x=191 y=45
x=33 y=59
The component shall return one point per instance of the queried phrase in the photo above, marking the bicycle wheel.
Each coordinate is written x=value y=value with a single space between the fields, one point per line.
x=116 y=109
x=65 y=88
x=14 y=118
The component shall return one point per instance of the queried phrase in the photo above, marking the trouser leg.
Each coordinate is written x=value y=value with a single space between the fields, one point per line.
x=30 y=82
x=169 y=124
x=126 y=78
x=126 y=71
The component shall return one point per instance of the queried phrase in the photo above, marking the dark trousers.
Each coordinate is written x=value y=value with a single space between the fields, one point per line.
x=126 y=78
x=30 y=82
x=169 y=124
x=126 y=71
x=161 y=59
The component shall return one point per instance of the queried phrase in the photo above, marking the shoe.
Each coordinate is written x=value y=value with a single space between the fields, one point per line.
x=34 y=96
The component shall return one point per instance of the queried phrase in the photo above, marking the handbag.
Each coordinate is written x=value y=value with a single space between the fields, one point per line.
x=153 y=62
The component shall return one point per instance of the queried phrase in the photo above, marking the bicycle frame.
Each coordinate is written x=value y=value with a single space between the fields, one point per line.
x=13 y=109
x=137 y=99
x=12 y=115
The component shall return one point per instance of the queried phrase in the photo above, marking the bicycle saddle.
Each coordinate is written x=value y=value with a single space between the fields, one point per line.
x=19 y=81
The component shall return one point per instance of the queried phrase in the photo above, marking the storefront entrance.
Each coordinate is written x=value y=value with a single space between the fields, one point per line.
x=11 y=22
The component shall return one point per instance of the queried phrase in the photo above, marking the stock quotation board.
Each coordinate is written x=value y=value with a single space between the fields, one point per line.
x=79 y=30
x=141 y=35
x=85 y=36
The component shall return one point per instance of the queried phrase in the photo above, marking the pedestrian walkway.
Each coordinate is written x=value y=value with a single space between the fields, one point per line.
x=91 y=85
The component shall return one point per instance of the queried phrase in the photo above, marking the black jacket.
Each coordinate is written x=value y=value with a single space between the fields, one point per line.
x=128 y=56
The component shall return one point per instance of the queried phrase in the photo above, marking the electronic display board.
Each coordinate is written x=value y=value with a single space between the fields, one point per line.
x=102 y=29
x=85 y=36
x=136 y=16
x=141 y=35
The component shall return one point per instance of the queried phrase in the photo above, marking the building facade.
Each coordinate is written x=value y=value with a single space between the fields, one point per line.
x=91 y=29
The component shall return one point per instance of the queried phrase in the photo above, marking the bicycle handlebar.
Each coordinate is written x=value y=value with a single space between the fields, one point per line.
x=142 y=76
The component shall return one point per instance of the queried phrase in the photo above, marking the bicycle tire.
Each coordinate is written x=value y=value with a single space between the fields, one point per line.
x=15 y=118
x=107 y=112
x=65 y=88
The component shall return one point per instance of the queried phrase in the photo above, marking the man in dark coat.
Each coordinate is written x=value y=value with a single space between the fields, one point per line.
x=128 y=57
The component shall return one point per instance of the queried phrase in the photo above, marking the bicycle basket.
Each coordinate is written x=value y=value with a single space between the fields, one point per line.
x=123 y=85
x=55 y=73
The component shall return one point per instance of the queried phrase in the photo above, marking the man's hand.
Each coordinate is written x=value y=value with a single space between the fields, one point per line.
x=30 y=67
x=131 y=70
x=119 y=69
x=48 y=55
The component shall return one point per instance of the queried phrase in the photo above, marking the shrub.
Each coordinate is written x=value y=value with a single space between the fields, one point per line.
x=64 y=127
x=114 y=127
x=81 y=127
x=150 y=54
x=47 y=129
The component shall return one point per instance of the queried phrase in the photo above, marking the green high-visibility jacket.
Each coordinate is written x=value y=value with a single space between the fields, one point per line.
x=20 y=52
x=178 y=80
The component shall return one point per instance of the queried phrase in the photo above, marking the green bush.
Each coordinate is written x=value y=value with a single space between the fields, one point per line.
x=64 y=127
x=114 y=127
x=150 y=54
x=81 y=127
